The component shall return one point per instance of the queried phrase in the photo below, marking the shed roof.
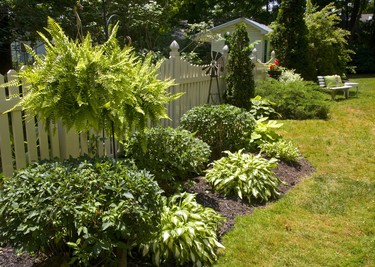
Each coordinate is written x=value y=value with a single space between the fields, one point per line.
x=261 y=27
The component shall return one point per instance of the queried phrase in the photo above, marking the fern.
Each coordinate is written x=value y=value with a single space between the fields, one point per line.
x=90 y=86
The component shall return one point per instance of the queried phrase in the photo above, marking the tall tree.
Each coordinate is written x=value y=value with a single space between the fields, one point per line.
x=289 y=38
x=328 y=45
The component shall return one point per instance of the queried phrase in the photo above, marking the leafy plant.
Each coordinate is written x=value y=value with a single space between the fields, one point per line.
x=168 y=153
x=282 y=149
x=290 y=76
x=264 y=132
x=239 y=78
x=188 y=233
x=87 y=209
x=93 y=86
x=295 y=99
x=262 y=108
x=244 y=175
x=222 y=127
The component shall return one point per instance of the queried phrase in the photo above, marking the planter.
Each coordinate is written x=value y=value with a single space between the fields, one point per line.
x=274 y=73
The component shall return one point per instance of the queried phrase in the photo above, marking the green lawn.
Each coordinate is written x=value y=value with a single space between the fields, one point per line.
x=329 y=218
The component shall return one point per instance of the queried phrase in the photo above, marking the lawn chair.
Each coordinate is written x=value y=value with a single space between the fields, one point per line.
x=334 y=84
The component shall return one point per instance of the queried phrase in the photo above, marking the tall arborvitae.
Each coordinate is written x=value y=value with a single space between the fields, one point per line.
x=239 y=78
x=289 y=38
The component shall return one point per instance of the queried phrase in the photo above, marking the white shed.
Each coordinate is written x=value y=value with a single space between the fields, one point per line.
x=256 y=31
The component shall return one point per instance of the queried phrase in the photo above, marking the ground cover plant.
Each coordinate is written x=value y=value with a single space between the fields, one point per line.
x=296 y=99
x=85 y=211
x=222 y=127
x=326 y=220
x=172 y=155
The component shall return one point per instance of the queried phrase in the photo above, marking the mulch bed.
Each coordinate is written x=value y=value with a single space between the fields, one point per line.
x=227 y=206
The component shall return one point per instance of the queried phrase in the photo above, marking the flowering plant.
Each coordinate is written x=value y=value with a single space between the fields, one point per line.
x=273 y=67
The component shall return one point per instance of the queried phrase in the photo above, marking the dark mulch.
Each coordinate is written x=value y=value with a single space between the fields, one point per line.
x=229 y=207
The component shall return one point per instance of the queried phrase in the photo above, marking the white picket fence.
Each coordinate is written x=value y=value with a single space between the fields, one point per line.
x=22 y=142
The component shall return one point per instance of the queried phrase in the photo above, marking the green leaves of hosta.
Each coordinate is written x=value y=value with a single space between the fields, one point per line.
x=88 y=86
x=244 y=175
x=188 y=233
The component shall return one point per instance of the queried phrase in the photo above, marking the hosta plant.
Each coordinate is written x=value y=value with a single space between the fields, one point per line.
x=188 y=233
x=244 y=175
x=282 y=149
x=170 y=154
x=88 y=210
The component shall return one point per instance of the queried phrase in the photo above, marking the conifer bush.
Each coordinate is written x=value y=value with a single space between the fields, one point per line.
x=240 y=85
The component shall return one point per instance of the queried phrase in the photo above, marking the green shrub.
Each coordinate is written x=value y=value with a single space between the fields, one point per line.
x=188 y=233
x=223 y=127
x=244 y=175
x=87 y=209
x=296 y=99
x=282 y=149
x=169 y=153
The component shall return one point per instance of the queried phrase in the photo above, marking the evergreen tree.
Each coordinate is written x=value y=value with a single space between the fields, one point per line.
x=289 y=38
x=240 y=79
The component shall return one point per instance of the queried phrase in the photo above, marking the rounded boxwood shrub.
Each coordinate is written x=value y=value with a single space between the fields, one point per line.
x=245 y=176
x=170 y=154
x=87 y=209
x=223 y=127
x=188 y=233
x=296 y=99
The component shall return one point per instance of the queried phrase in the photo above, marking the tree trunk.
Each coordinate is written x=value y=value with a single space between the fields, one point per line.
x=122 y=254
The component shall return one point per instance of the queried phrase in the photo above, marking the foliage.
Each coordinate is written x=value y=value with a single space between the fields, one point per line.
x=295 y=100
x=88 y=209
x=289 y=38
x=240 y=85
x=327 y=41
x=222 y=127
x=264 y=132
x=281 y=149
x=362 y=42
x=289 y=76
x=261 y=108
x=188 y=233
x=87 y=86
x=244 y=175
x=168 y=153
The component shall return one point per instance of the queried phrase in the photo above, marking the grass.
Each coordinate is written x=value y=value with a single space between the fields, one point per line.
x=329 y=218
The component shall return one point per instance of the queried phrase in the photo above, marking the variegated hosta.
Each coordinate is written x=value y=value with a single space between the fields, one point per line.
x=188 y=233
x=245 y=175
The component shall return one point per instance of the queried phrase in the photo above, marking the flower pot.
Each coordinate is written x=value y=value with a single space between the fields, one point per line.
x=274 y=73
